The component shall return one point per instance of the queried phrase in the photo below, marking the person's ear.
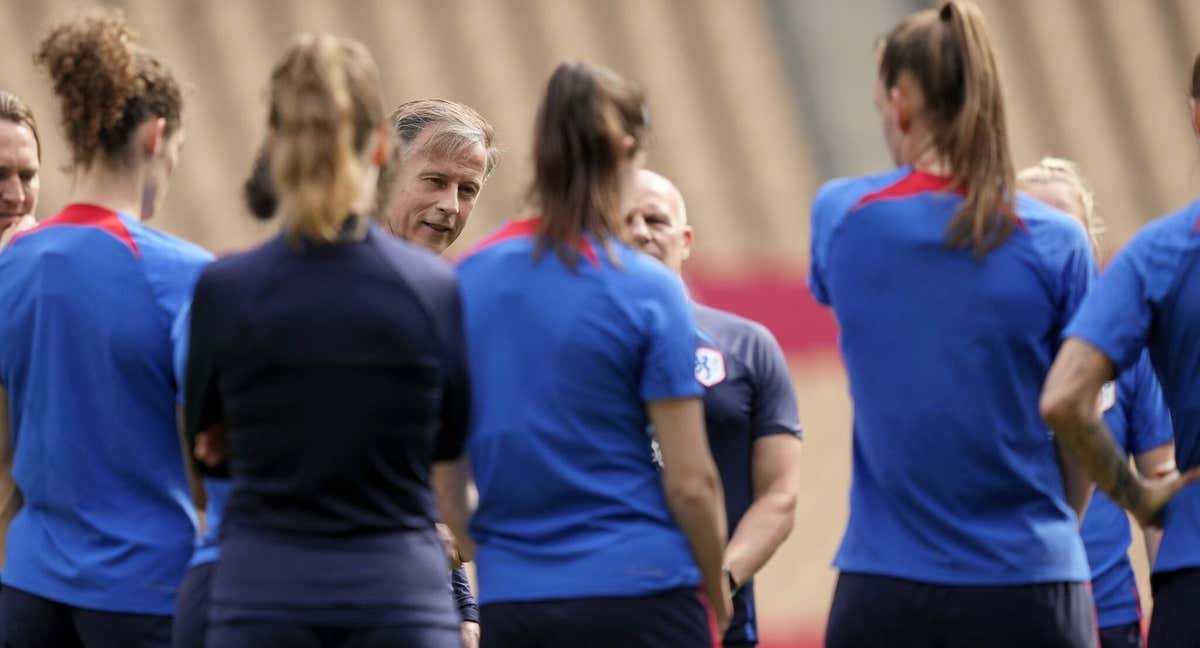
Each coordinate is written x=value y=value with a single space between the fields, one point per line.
x=152 y=136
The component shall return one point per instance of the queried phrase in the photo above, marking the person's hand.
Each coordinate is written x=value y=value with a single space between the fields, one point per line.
x=452 y=555
x=470 y=634
x=721 y=600
x=1154 y=494
x=210 y=446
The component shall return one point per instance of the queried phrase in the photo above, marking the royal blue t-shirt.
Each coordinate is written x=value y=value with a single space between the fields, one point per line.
x=748 y=396
x=1137 y=416
x=339 y=373
x=955 y=476
x=1149 y=297
x=563 y=362
x=88 y=298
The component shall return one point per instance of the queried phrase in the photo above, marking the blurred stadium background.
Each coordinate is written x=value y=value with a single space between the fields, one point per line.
x=754 y=104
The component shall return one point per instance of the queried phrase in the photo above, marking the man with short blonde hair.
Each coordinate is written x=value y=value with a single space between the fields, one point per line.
x=444 y=153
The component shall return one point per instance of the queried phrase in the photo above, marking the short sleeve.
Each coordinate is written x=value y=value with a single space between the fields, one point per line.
x=202 y=403
x=825 y=209
x=456 y=387
x=774 y=408
x=1116 y=316
x=180 y=330
x=669 y=362
x=1149 y=419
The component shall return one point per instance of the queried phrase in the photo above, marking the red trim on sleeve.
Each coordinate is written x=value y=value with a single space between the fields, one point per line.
x=520 y=229
x=86 y=215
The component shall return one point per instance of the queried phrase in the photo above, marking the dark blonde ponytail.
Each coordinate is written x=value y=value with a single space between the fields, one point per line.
x=325 y=103
x=949 y=53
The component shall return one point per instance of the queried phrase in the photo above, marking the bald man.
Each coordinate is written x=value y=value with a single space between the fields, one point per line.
x=749 y=408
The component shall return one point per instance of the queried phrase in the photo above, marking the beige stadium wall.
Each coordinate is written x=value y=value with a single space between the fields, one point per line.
x=754 y=103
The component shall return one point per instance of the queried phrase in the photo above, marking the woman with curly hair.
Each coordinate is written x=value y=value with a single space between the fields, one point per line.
x=107 y=525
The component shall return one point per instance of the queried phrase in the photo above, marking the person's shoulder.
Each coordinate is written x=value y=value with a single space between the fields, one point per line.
x=733 y=329
x=160 y=245
x=837 y=196
x=638 y=271
x=1180 y=228
x=1052 y=232
x=236 y=267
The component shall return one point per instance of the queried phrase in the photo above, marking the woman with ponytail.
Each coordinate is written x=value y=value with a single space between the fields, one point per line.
x=89 y=295
x=600 y=509
x=324 y=376
x=951 y=291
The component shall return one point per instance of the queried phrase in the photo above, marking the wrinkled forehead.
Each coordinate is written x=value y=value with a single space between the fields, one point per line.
x=444 y=144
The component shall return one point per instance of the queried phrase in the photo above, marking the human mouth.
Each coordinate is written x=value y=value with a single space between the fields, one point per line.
x=437 y=227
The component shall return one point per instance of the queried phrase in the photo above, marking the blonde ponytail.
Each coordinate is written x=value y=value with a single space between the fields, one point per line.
x=325 y=102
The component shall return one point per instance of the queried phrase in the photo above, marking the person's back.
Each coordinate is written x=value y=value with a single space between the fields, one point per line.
x=89 y=298
x=330 y=362
x=571 y=502
x=946 y=353
x=325 y=369
x=87 y=363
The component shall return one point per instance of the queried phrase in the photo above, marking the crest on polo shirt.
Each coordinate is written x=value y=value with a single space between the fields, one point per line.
x=710 y=366
x=1108 y=396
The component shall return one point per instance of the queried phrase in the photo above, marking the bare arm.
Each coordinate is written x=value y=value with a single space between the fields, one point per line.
x=450 y=486
x=195 y=484
x=1156 y=463
x=1069 y=405
x=10 y=497
x=1077 y=483
x=693 y=491
x=775 y=469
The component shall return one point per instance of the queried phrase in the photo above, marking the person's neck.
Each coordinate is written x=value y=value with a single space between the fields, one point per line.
x=925 y=157
x=117 y=189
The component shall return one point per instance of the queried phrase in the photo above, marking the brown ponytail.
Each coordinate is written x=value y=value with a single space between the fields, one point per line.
x=325 y=103
x=107 y=85
x=585 y=114
x=949 y=54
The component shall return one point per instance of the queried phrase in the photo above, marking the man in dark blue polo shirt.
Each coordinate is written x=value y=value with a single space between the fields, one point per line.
x=749 y=409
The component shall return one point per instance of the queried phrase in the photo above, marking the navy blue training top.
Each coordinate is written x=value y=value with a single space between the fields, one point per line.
x=338 y=373
x=1149 y=298
x=956 y=479
x=748 y=395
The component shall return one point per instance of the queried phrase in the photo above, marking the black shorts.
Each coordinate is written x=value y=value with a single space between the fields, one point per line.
x=191 y=607
x=870 y=610
x=31 y=621
x=1175 y=622
x=253 y=634
x=674 y=618
x=1122 y=636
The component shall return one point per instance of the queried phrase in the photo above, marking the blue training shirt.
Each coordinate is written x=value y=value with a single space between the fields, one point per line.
x=1138 y=418
x=1149 y=297
x=88 y=298
x=748 y=396
x=955 y=476
x=562 y=364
